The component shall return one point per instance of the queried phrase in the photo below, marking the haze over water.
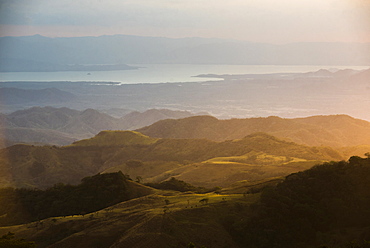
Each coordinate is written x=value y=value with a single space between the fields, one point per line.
x=164 y=73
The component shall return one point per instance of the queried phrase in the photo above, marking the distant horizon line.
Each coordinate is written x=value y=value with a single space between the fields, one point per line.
x=182 y=38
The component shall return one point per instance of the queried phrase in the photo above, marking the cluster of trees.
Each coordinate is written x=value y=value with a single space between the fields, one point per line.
x=94 y=193
x=178 y=185
x=325 y=206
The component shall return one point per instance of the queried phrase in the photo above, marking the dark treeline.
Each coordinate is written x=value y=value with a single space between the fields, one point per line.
x=325 y=206
x=94 y=193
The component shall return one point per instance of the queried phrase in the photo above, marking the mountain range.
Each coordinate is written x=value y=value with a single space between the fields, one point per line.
x=62 y=126
x=262 y=190
x=38 y=53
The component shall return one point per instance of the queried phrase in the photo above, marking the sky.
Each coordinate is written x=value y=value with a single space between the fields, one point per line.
x=267 y=21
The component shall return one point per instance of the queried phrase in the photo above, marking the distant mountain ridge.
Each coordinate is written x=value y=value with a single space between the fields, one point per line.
x=118 y=49
x=332 y=130
x=62 y=126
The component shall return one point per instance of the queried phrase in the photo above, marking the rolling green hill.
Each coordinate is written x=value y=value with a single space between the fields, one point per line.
x=332 y=130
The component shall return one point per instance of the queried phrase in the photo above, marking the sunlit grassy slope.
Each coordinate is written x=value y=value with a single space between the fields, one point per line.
x=161 y=220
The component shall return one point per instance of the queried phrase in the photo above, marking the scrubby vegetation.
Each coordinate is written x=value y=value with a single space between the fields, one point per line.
x=94 y=193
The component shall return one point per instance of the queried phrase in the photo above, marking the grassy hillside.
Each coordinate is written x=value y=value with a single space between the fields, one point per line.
x=335 y=130
x=201 y=162
x=325 y=206
x=161 y=220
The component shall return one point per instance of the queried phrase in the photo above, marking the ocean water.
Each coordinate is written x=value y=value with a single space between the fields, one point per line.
x=162 y=73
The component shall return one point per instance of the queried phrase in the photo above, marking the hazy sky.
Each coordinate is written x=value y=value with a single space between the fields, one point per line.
x=252 y=20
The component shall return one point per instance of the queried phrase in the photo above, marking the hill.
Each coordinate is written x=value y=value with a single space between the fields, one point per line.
x=325 y=206
x=94 y=193
x=135 y=119
x=201 y=162
x=332 y=130
x=161 y=220
x=62 y=126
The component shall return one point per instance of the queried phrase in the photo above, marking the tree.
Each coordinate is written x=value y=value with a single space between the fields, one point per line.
x=139 y=179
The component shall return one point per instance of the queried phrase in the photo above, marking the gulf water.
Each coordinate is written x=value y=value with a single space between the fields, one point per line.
x=163 y=73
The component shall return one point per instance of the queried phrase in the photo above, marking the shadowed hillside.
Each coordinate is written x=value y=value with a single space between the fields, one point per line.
x=332 y=130
x=94 y=193
x=325 y=206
